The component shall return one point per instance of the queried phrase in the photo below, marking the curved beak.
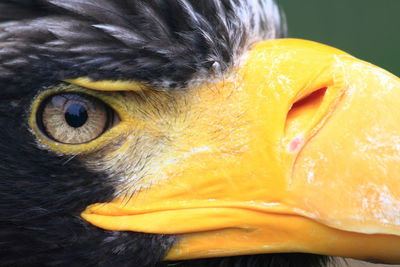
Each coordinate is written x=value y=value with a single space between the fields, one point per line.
x=303 y=155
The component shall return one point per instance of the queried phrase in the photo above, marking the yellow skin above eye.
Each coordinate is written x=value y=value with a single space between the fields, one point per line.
x=109 y=85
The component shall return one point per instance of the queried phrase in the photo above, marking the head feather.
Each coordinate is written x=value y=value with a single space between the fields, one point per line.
x=165 y=43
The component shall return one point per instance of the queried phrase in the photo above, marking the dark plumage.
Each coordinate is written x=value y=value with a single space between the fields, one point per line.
x=165 y=43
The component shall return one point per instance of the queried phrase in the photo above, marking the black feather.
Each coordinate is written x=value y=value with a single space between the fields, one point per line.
x=165 y=43
x=267 y=260
x=41 y=197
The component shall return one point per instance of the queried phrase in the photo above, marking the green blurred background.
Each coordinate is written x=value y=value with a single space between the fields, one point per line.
x=367 y=29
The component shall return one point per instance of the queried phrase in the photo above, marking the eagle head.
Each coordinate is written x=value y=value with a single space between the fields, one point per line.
x=184 y=132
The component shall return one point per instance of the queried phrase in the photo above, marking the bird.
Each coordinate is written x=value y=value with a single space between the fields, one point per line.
x=125 y=123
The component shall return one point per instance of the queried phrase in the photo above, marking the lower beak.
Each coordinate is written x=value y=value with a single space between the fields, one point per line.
x=308 y=161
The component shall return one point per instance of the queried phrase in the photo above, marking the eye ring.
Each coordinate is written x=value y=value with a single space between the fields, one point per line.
x=74 y=118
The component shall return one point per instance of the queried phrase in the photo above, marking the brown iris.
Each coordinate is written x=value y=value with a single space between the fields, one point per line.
x=75 y=118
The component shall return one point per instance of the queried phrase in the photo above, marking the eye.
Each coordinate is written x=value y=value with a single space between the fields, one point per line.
x=75 y=118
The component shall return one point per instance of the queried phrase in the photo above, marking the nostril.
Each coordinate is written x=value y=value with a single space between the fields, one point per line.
x=311 y=101
x=300 y=115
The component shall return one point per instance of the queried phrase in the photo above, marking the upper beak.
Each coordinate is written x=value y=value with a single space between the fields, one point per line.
x=315 y=168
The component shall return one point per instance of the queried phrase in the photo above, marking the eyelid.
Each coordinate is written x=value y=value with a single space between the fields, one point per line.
x=52 y=120
x=109 y=85
x=112 y=99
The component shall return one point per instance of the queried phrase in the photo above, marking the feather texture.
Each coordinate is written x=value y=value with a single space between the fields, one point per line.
x=167 y=44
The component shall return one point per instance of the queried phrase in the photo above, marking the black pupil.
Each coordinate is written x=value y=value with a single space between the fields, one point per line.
x=76 y=115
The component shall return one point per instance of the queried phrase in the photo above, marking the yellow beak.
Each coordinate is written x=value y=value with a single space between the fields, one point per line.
x=308 y=161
